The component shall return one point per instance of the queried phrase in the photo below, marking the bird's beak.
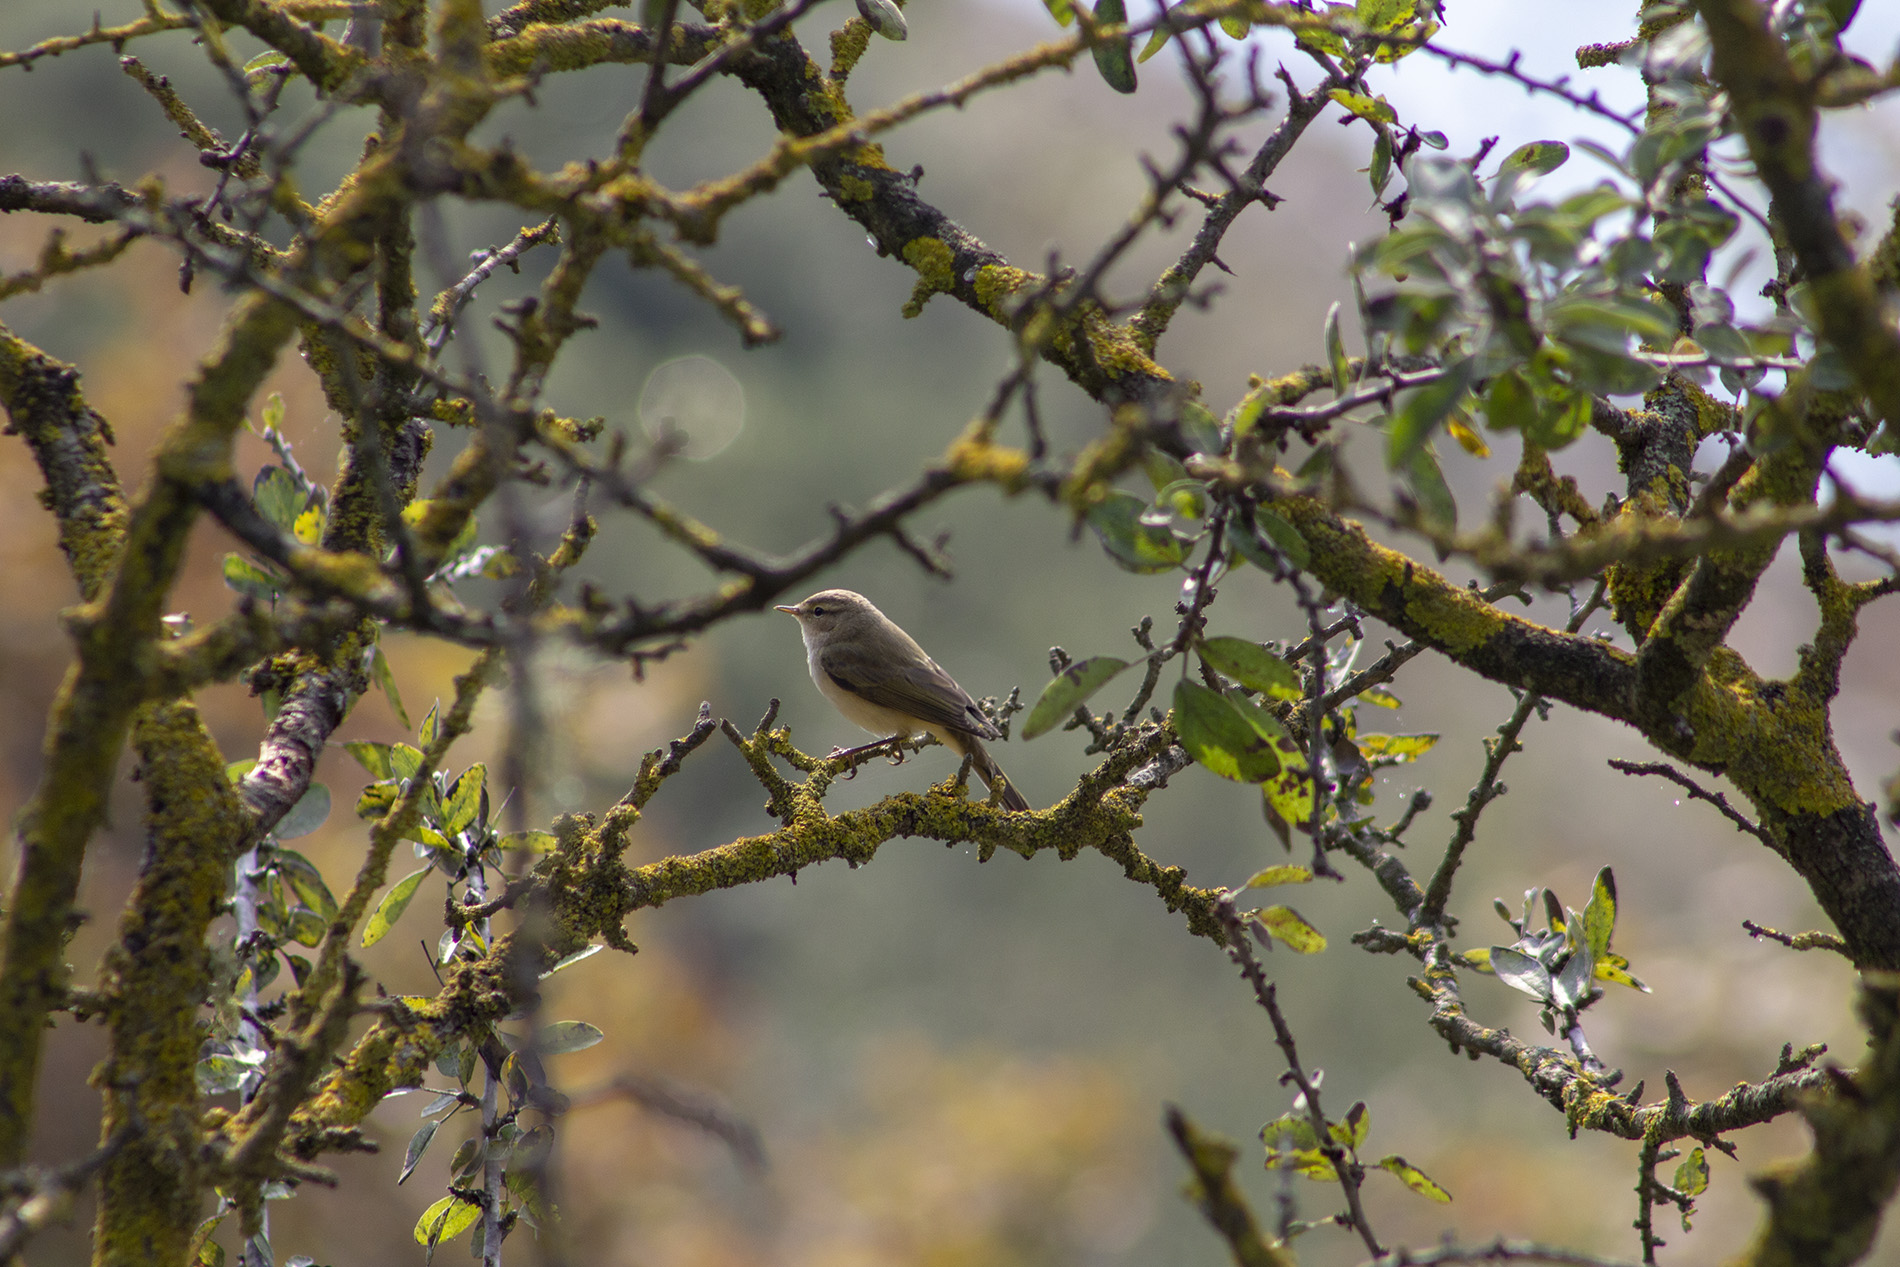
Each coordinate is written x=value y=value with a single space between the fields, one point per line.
x=789 y=611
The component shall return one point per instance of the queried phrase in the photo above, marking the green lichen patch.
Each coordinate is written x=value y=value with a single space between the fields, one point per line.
x=935 y=264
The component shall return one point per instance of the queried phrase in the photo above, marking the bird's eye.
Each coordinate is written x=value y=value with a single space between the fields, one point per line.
x=817 y=611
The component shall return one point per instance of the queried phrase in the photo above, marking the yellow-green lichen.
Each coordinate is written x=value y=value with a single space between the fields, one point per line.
x=974 y=458
x=996 y=285
x=855 y=189
x=1115 y=350
x=848 y=43
x=1772 y=741
x=935 y=264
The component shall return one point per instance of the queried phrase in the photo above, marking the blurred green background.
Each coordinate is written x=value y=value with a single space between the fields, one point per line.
x=952 y=1063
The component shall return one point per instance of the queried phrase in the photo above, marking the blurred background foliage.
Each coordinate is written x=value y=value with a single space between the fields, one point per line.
x=949 y=1063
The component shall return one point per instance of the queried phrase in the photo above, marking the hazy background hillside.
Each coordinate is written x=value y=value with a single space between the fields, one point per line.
x=952 y=1063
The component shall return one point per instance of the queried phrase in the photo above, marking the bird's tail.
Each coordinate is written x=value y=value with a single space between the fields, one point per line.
x=992 y=774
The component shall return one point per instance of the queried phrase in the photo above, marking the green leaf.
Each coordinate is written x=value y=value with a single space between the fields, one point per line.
x=1351 y=1131
x=1599 y=915
x=885 y=18
x=1399 y=747
x=1249 y=664
x=418 y=1144
x=376 y=799
x=1068 y=690
x=390 y=909
x=1379 y=171
x=306 y=815
x=1283 y=535
x=574 y=958
x=1558 y=418
x=1382 y=16
x=385 y=679
x=373 y=757
x=1290 y=796
x=1437 y=509
x=1525 y=164
x=1289 y=1130
x=1321 y=39
x=1186 y=498
x=1288 y=873
x=564 y=1036
x=305 y=881
x=1293 y=1145
x=1509 y=404
x=1692 y=1176
x=1571 y=986
x=1336 y=356
x=1136 y=546
x=277 y=496
x=1521 y=972
x=405 y=762
x=1415 y=1179
x=1157 y=40
x=465 y=800
x=1375 y=109
x=249 y=579
x=1422 y=409
x=1061 y=10
x=306 y=928
x=235 y=772
x=1380 y=696
x=1289 y=926
x=1573 y=316
x=1236 y=26
x=1615 y=970
x=1115 y=59
x=1218 y=736
x=446 y=1220
x=1162 y=469
x=1200 y=428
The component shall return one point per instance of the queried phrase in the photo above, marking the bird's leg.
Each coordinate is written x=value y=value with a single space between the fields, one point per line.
x=864 y=749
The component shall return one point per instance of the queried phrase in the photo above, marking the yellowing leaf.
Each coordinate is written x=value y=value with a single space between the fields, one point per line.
x=1692 y=1176
x=390 y=909
x=1289 y=926
x=1472 y=442
x=1399 y=747
x=1374 y=108
x=446 y=1220
x=1415 y=1179
x=1286 y=874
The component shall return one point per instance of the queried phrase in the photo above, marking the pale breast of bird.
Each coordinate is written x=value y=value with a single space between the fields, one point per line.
x=859 y=711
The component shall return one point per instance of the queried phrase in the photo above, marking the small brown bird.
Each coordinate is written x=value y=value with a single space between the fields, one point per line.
x=881 y=679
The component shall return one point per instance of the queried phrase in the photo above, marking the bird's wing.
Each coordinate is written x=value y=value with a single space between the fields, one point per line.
x=923 y=691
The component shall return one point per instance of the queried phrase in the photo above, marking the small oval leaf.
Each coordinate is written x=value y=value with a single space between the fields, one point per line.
x=1068 y=690
x=1415 y=1179
x=446 y=1220
x=1289 y=926
x=565 y=1036
x=1217 y=736
x=1249 y=663
x=390 y=909
x=1115 y=59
